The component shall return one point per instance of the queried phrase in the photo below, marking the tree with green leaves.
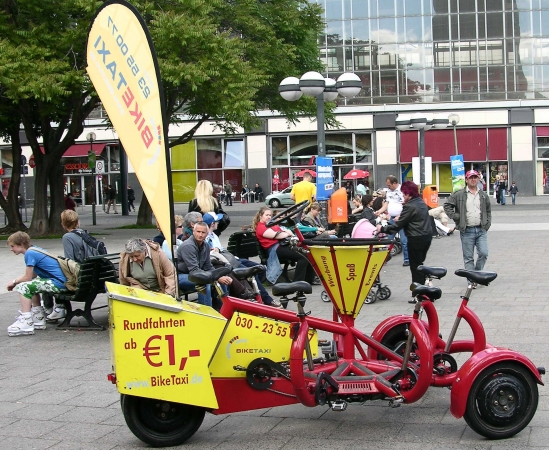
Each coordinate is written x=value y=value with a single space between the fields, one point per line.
x=42 y=73
x=220 y=60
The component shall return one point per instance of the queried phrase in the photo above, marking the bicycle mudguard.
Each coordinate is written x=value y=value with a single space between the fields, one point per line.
x=467 y=374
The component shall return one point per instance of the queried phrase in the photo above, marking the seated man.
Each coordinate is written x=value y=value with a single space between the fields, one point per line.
x=144 y=265
x=211 y=219
x=194 y=255
x=42 y=274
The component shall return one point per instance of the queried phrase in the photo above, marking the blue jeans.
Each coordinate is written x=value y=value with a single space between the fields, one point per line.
x=403 y=241
x=470 y=238
x=185 y=284
x=513 y=197
x=502 y=196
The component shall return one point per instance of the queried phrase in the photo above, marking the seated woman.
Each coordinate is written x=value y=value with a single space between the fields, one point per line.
x=357 y=205
x=178 y=231
x=367 y=209
x=144 y=265
x=312 y=221
x=269 y=239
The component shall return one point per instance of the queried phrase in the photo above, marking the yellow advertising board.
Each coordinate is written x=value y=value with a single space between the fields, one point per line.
x=250 y=337
x=124 y=71
x=161 y=347
x=349 y=273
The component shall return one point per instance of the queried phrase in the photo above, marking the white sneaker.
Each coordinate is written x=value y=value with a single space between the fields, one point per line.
x=22 y=326
x=58 y=313
x=38 y=317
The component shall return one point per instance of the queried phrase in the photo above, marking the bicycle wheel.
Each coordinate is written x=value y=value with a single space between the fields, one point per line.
x=384 y=293
x=372 y=296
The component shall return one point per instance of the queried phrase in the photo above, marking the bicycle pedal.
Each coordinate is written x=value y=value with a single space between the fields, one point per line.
x=339 y=405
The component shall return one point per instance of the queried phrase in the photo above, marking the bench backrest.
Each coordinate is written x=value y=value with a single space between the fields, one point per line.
x=94 y=272
x=243 y=244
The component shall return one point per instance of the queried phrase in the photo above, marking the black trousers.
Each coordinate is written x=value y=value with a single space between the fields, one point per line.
x=418 y=246
x=303 y=270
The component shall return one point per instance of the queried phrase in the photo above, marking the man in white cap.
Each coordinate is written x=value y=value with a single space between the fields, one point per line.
x=470 y=209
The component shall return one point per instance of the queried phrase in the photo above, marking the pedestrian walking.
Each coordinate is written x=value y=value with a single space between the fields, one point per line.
x=69 y=202
x=513 y=190
x=228 y=193
x=414 y=218
x=470 y=209
x=502 y=190
x=131 y=198
x=111 y=199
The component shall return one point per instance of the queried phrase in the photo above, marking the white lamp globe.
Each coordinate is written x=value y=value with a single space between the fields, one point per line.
x=440 y=121
x=312 y=83
x=289 y=89
x=348 y=85
x=330 y=91
x=418 y=121
x=402 y=122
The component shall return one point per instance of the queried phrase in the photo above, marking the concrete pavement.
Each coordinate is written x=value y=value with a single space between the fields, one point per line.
x=54 y=393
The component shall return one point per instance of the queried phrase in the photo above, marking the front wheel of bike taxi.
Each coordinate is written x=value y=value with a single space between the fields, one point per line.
x=161 y=423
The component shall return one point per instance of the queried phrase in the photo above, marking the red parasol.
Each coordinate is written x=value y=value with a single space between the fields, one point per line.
x=304 y=171
x=355 y=174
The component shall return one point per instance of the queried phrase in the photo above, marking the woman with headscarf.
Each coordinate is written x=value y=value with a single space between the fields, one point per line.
x=415 y=220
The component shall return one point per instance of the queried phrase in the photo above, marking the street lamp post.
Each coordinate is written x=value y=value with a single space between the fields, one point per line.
x=324 y=90
x=422 y=123
x=454 y=120
x=91 y=164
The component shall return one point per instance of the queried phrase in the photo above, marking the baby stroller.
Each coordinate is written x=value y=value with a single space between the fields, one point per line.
x=364 y=229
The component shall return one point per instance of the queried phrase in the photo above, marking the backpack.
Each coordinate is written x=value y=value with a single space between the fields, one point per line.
x=96 y=247
x=70 y=269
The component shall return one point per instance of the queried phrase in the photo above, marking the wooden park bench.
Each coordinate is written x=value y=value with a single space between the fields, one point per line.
x=94 y=272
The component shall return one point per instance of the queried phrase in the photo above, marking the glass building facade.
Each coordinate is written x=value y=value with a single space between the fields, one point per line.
x=439 y=50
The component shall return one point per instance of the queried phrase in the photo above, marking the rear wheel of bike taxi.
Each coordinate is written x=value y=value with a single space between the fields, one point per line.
x=161 y=423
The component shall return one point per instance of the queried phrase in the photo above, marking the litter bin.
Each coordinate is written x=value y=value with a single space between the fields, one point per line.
x=337 y=207
x=430 y=196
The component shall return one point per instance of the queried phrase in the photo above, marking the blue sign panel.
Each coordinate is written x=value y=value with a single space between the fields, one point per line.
x=324 y=178
x=458 y=172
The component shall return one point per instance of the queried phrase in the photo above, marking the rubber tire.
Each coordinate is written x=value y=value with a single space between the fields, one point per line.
x=325 y=297
x=487 y=381
x=371 y=297
x=397 y=248
x=394 y=336
x=275 y=203
x=144 y=423
x=384 y=293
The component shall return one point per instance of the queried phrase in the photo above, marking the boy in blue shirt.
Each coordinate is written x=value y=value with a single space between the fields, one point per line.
x=43 y=274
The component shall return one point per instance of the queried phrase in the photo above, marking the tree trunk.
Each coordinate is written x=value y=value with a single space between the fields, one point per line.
x=40 y=224
x=57 y=199
x=10 y=204
x=144 y=215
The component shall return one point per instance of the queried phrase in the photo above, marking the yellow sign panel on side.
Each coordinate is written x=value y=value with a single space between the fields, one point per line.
x=162 y=347
x=250 y=337
x=349 y=273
